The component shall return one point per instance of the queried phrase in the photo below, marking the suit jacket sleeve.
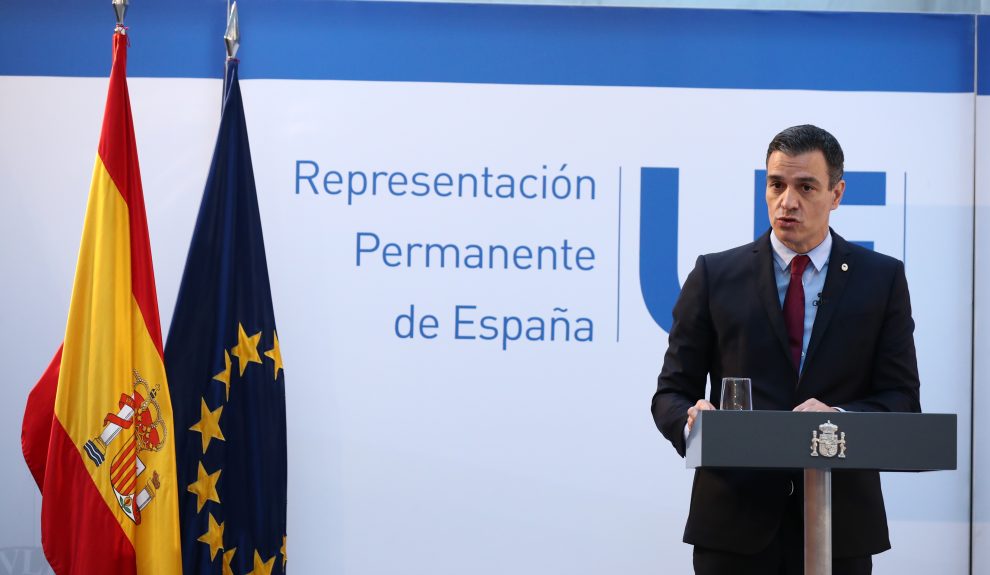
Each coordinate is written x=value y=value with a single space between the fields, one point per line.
x=689 y=352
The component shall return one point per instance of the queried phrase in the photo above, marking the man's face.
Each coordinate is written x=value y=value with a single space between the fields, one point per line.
x=799 y=198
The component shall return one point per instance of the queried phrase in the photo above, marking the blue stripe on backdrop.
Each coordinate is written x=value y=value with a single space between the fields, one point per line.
x=510 y=44
x=983 y=55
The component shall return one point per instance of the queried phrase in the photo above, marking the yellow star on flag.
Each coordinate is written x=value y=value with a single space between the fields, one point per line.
x=228 y=556
x=262 y=567
x=213 y=537
x=246 y=349
x=205 y=487
x=284 y=556
x=209 y=424
x=276 y=354
x=224 y=376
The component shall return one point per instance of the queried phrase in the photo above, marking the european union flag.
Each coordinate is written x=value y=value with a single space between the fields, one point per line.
x=225 y=369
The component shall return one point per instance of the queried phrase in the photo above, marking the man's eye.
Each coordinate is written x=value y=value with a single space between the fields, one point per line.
x=807 y=188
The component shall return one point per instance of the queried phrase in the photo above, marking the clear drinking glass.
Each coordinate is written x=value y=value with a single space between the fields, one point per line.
x=737 y=394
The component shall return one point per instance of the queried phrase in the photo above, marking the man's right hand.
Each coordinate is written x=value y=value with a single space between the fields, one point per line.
x=694 y=410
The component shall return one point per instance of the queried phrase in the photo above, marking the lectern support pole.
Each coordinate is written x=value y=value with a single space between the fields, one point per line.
x=817 y=521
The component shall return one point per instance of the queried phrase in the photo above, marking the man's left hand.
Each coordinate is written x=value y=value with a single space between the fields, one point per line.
x=814 y=405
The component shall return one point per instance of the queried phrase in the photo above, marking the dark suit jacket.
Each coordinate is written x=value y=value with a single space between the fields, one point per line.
x=728 y=322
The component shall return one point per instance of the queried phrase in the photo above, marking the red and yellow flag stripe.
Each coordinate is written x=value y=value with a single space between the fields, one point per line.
x=108 y=479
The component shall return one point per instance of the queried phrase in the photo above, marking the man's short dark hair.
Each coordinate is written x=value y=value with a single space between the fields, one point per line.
x=798 y=140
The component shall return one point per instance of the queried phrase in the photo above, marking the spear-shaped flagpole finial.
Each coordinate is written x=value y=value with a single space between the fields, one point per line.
x=232 y=38
x=120 y=9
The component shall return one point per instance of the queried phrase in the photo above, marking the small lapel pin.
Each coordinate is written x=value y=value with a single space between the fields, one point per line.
x=845 y=267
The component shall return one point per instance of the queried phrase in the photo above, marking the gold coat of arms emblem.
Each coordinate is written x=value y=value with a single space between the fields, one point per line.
x=830 y=443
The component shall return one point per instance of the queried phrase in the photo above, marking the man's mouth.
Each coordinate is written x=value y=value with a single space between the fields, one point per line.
x=787 y=221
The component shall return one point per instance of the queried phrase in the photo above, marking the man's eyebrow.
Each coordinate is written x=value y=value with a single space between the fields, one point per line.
x=802 y=180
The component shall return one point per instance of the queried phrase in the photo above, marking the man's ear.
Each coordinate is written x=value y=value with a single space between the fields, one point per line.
x=838 y=191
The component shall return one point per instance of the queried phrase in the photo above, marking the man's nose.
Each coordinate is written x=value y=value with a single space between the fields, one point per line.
x=788 y=200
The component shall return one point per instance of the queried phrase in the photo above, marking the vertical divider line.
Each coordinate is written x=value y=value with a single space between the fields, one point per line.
x=972 y=333
x=618 y=262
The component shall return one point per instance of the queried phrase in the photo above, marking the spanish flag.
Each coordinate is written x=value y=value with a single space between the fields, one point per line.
x=98 y=433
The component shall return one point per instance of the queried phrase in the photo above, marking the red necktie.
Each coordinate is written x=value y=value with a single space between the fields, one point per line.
x=794 y=308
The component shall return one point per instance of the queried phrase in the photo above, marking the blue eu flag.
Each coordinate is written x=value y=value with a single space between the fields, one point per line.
x=225 y=373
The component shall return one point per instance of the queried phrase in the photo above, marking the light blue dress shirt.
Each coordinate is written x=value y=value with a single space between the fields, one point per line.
x=813 y=280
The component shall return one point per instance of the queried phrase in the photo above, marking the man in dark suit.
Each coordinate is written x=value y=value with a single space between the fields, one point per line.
x=818 y=324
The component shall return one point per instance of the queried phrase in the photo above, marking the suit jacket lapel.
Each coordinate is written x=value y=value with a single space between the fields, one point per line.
x=766 y=285
x=835 y=284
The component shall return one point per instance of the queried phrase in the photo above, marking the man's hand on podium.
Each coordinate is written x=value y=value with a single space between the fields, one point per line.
x=701 y=405
x=810 y=405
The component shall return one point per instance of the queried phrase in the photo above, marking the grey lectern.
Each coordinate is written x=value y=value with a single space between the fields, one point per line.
x=818 y=443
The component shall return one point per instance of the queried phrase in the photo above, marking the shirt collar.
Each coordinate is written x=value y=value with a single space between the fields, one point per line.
x=819 y=255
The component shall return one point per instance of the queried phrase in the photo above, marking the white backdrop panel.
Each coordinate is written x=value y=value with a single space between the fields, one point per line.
x=451 y=455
